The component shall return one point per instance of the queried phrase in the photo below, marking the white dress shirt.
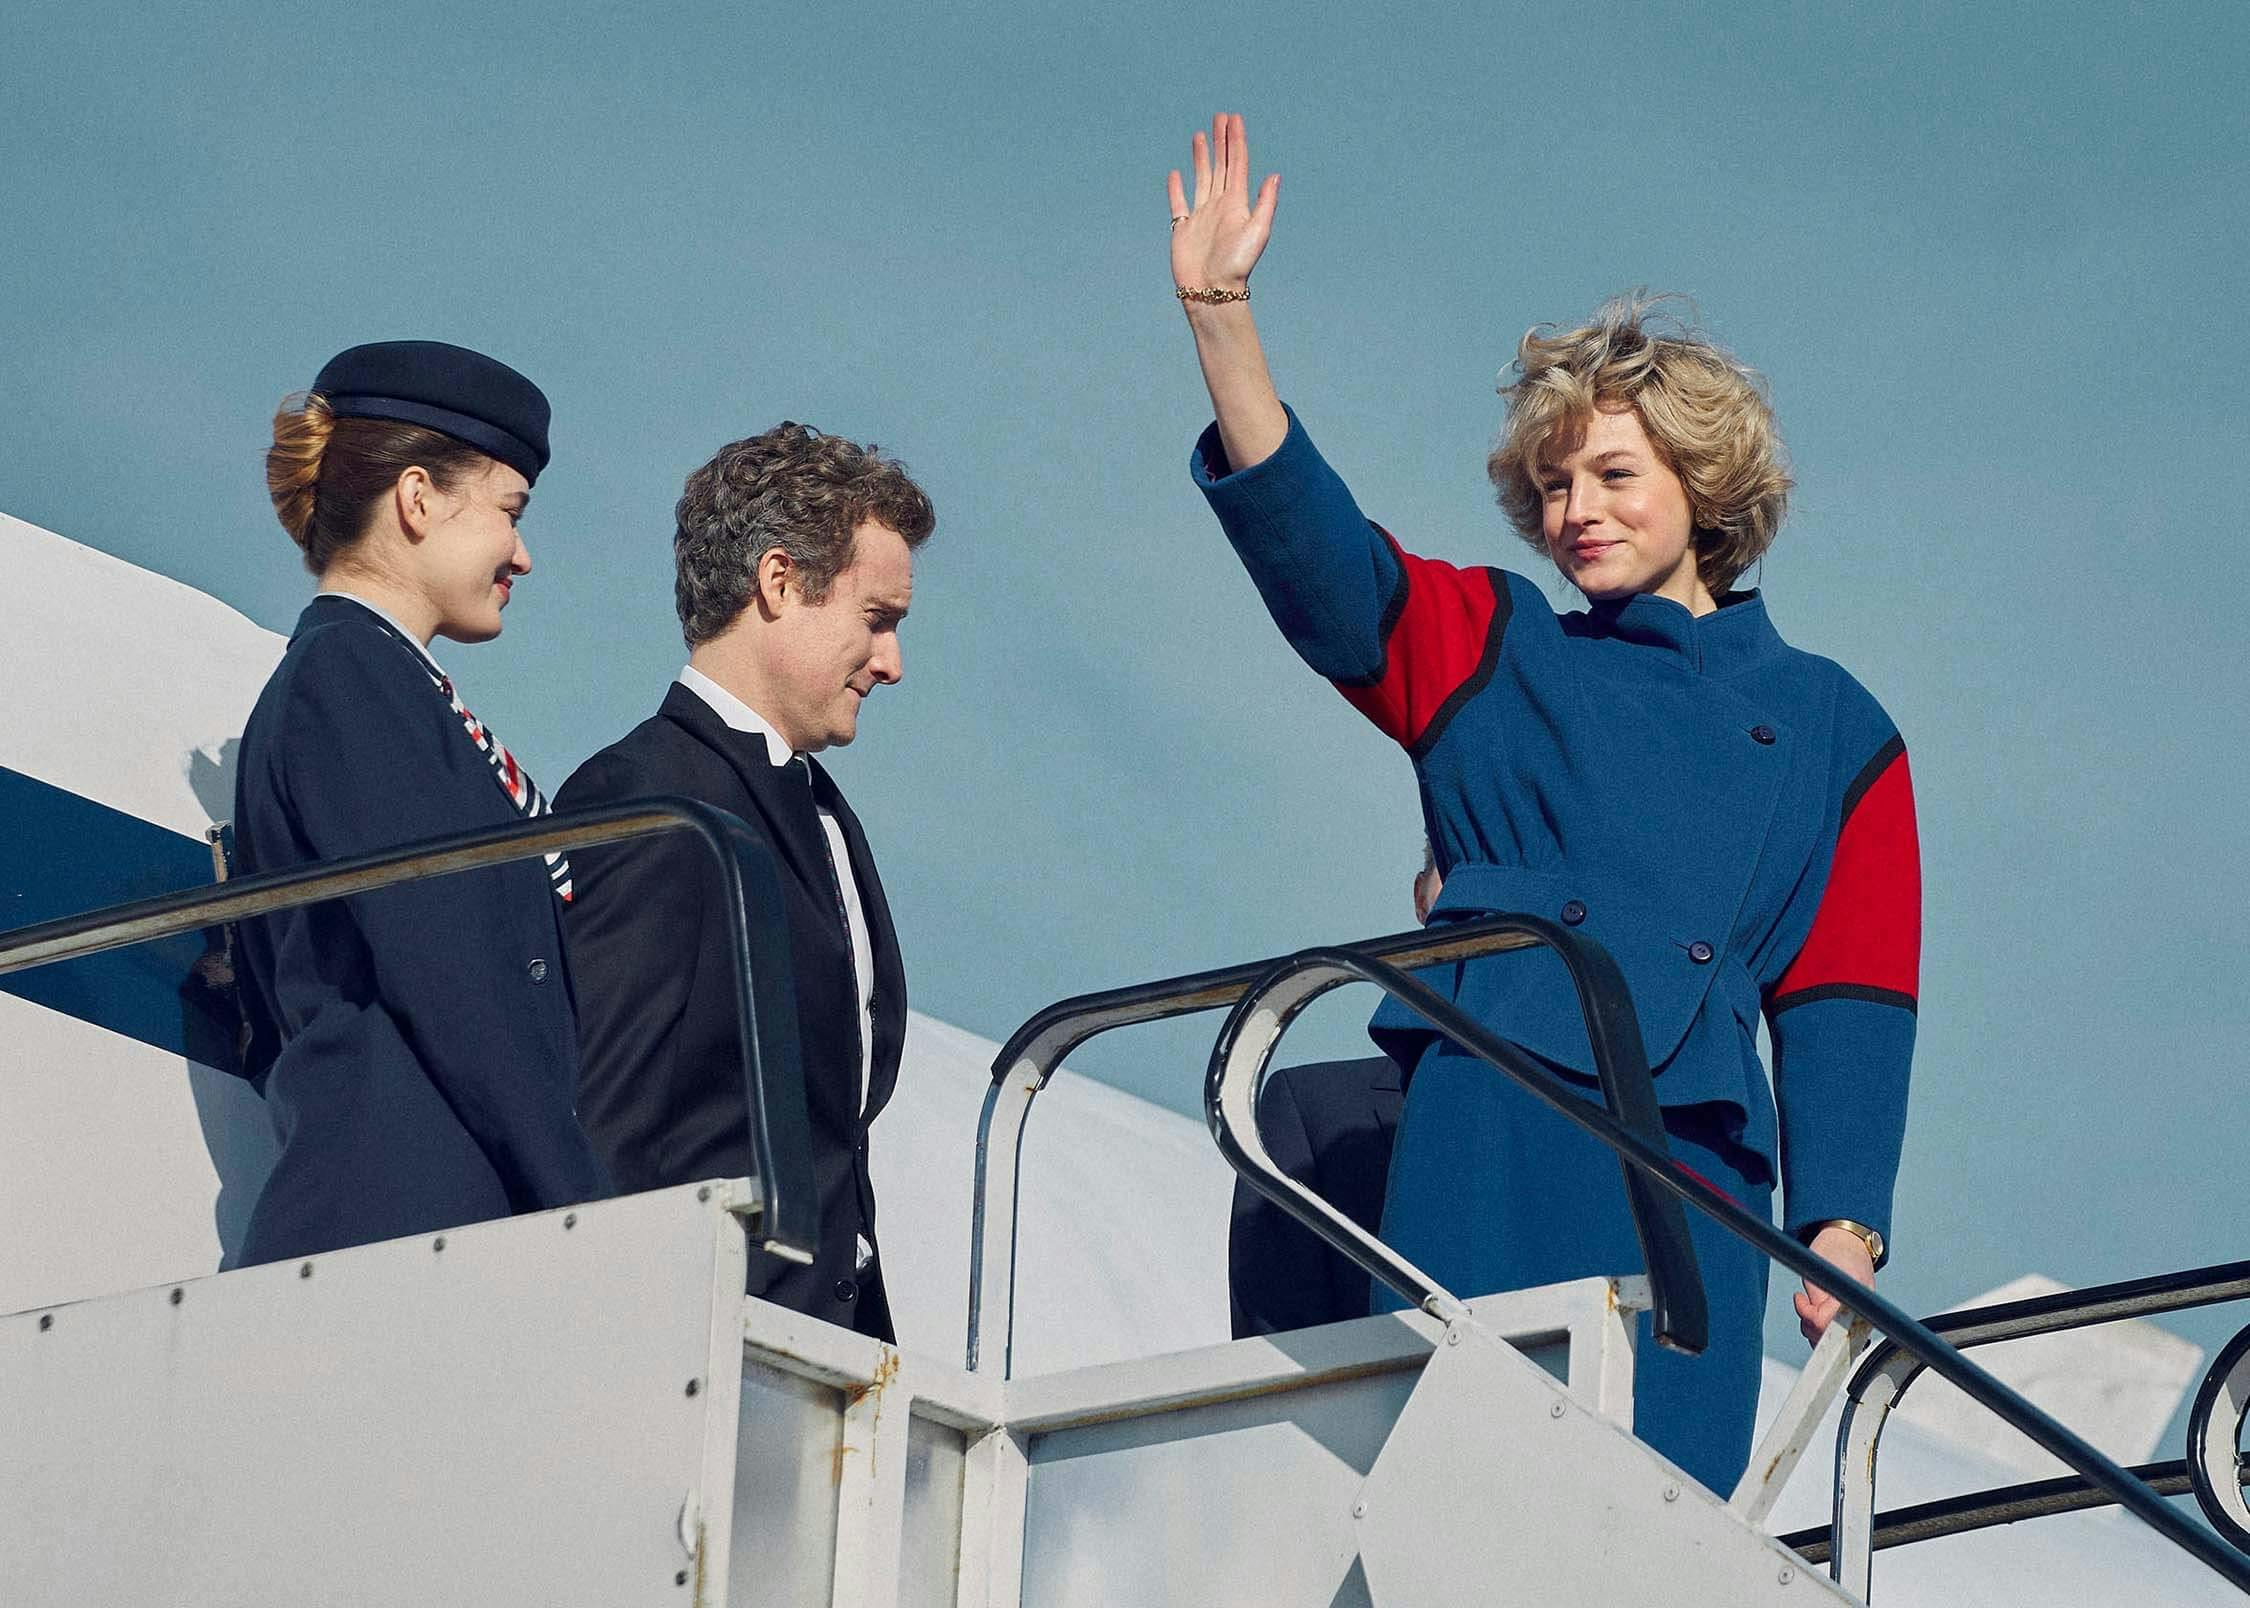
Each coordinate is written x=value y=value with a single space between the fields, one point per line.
x=741 y=717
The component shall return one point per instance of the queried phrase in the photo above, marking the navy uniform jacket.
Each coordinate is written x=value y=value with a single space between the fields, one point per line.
x=1729 y=816
x=426 y=1055
x=662 y=1089
x=1328 y=1126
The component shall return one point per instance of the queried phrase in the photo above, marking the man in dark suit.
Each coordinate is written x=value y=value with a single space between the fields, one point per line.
x=794 y=559
x=1329 y=1126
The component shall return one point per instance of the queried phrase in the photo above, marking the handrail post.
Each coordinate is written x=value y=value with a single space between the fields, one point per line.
x=748 y=877
x=1858 y=1300
x=1889 y=1371
x=1244 y=1051
x=1033 y=1052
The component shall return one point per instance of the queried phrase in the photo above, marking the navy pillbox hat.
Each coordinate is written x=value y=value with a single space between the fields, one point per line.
x=450 y=389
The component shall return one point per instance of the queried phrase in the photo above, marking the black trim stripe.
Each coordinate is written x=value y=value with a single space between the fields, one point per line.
x=1503 y=606
x=1393 y=610
x=1870 y=773
x=1860 y=991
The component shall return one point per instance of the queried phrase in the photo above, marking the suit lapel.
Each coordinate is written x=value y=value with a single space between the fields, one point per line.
x=782 y=805
x=889 y=1008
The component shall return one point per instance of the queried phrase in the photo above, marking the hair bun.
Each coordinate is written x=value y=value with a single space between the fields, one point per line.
x=300 y=438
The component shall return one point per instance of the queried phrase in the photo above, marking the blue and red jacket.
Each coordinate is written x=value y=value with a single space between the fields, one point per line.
x=1730 y=817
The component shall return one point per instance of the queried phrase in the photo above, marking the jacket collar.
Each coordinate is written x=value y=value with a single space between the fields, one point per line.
x=330 y=608
x=779 y=791
x=1732 y=638
x=737 y=714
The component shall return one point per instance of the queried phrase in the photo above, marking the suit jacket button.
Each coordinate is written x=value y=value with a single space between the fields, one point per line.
x=537 y=971
x=1573 y=912
x=846 y=1290
x=1763 y=734
x=1700 y=952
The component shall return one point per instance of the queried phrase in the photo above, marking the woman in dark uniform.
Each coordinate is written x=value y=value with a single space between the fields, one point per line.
x=424 y=1052
x=1729 y=816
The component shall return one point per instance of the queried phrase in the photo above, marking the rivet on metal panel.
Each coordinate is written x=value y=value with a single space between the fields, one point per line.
x=1555 y=1411
x=305 y=1271
x=46 y=1321
x=178 y=1295
x=570 y=1219
x=1787 y=1574
x=438 y=1244
x=695 y=1387
x=1359 y=1509
x=1671 y=1493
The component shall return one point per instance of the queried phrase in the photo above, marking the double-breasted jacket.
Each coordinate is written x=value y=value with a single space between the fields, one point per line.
x=1731 y=817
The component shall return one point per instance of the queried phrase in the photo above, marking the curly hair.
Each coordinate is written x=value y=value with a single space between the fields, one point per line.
x=793 y=488
x=1705 y=413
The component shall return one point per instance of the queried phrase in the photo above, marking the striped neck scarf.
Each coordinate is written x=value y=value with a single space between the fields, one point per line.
x=514 y=780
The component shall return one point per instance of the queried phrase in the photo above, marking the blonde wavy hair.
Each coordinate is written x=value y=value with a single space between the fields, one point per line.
x=1705 y=413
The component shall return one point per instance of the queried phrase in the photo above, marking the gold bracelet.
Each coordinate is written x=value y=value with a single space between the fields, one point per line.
x=1210 y=295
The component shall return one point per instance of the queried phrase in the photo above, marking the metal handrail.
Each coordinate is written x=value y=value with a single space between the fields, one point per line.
x=1029 y=1058
x=1889 y=1370
x=2214 y=1462
x=2004 y=1504
x=786 y=1220
x=1246 y=1046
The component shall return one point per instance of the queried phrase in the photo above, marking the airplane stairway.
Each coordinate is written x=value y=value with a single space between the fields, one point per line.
x=581 y=1407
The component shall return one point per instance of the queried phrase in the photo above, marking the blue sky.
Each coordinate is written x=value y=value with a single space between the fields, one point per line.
x=1992 y=258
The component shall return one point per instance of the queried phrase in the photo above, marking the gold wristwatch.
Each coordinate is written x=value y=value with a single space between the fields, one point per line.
x=1859 y=1231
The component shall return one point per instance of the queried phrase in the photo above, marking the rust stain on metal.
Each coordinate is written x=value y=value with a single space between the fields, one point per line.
x=885 y=1372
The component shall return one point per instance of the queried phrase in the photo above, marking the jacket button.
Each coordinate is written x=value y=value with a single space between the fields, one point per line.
x=1573 y=912
x=1700 y=952
x=537 y=971
x=1763 y=734
x=846 y=1290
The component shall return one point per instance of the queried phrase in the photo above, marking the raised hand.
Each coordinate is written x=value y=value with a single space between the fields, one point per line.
x=1217 y=241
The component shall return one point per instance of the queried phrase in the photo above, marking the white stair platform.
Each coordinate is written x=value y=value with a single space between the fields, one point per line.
x=581 y=1407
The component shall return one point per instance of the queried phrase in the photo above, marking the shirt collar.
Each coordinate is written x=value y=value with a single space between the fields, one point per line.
x=737 y=714
x=1732 y=637
x=389 y=619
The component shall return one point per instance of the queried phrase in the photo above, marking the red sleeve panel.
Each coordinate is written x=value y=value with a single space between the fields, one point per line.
x=1866 y=940
x=1441 y=637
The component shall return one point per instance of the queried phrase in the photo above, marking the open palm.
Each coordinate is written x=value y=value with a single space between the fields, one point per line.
x=1216 y=242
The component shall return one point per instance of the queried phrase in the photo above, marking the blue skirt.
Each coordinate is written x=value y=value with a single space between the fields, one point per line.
x=1490 y=1190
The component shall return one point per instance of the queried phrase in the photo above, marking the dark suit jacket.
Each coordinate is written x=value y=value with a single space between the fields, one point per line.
x=426 y=1062
x=661 y=1088
x=1329 y=1126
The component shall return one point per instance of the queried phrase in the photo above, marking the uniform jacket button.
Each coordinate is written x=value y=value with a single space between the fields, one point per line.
x=1763 y=734
x=1700 y=952
x=537 y=971
x=846 y=1290
x=1573 y=912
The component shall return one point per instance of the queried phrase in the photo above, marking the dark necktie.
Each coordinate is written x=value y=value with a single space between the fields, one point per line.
x=798 y=763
